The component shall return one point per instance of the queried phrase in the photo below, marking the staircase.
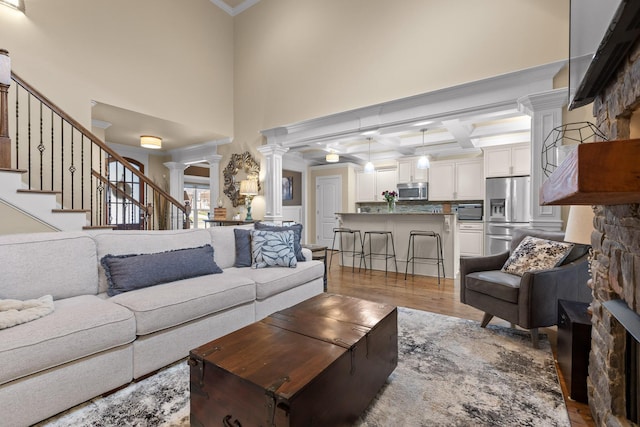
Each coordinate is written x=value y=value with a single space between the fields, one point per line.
x=57 y=172
x=41 y=206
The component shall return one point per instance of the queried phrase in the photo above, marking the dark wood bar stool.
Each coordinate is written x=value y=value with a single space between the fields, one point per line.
x=357 y=238
x=388 y=235
x=438 y=259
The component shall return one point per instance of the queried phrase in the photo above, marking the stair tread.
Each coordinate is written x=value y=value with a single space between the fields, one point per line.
x=27 y=190
x=13 y=170
x=70 y=210
x=99 y=227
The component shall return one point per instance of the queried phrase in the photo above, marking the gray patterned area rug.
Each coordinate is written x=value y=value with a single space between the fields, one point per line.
x=450 y=372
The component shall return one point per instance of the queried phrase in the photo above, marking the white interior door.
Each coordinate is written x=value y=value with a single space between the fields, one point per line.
x=328 y=202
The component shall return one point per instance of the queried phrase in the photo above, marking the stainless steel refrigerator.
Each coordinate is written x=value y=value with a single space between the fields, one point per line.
x=507 y=206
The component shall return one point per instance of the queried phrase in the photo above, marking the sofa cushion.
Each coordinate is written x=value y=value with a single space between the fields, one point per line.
x=78 y=327
x=171 y=304
x=130 y=272
x=42 y=261
x=535 y=254
x=297 y=235
x=243 y=247
x=223 y=241
x=272 y=281
x=495 y=283
x=144 y=242
x=272 y=248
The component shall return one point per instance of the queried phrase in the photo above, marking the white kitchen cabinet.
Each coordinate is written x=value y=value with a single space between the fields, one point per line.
x=408 y=171
x=507 y=160
x=369 y=186
x=451 y=180
x=471 y=238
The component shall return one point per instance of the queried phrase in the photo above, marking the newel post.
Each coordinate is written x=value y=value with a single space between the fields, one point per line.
x=5 y=82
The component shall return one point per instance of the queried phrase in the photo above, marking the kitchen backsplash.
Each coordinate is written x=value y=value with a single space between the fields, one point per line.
x=409 y=206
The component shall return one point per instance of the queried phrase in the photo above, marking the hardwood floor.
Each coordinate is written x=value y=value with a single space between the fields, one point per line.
x=423 y=293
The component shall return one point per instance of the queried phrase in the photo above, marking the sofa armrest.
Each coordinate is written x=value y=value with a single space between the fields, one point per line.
x=307 y=254
x=481 y=263
x=541 y=290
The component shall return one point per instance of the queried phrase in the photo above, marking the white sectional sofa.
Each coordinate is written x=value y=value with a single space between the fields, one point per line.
x=92 y=343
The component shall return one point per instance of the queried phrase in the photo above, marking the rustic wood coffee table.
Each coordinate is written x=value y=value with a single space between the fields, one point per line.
x=318 y=363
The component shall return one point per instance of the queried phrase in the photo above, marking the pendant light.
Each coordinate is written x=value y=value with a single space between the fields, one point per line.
x=368 y=167
x=423 y=161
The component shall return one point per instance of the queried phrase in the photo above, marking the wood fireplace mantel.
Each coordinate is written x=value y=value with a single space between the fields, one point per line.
x=599 y=173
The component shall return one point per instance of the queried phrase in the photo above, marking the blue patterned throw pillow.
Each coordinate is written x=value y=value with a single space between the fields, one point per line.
x=272 y=248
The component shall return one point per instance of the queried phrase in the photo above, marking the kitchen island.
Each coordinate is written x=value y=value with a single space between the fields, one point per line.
x=401 y=224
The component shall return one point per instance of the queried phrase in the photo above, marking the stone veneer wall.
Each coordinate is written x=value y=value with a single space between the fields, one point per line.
x=616 y=258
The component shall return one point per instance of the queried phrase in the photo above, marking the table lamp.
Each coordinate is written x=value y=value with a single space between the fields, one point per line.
x=248 y=189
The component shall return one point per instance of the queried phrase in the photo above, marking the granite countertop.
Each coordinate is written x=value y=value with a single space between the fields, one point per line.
x=393 y=213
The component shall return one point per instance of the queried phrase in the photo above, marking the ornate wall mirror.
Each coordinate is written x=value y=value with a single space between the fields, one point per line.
x=241 y=166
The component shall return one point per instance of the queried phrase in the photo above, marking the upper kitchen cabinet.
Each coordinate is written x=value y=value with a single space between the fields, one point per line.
x=408 y=171
x=507 y=160
x=369 y=186
x=451 y=180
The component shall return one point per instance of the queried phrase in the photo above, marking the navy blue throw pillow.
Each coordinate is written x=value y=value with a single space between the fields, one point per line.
x=243 y=247
x=297 y=235
x=130 y=272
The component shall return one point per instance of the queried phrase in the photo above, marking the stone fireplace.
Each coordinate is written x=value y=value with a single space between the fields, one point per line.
x=615 y=266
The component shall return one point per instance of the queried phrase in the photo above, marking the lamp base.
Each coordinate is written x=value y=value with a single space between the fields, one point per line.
x=248 y=217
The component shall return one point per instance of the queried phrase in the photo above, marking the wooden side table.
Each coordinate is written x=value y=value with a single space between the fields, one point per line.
x=319 y=253
x=574 y=345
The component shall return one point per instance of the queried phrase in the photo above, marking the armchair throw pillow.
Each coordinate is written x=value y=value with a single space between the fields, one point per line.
x=534 y=254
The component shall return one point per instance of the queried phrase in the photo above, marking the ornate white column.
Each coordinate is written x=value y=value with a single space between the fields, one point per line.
x=272 y=166
x=545 y=110
x=214 y=179
x=176 y=179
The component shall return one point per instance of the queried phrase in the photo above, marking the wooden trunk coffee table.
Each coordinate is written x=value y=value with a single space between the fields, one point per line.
x=318 y=363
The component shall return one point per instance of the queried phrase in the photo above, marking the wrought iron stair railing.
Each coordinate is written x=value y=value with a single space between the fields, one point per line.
x=61 y=155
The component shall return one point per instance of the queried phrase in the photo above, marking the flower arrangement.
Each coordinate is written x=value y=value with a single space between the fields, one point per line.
x=390 y=197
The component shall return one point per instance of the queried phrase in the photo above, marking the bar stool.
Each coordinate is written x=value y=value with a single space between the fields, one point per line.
x=386 y=255
x=339 y=232
x=439 y=260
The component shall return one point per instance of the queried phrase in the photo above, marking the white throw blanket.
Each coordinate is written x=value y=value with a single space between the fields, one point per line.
x=14 y=312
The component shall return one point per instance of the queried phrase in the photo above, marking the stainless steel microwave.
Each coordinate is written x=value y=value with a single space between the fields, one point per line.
x=413 y=191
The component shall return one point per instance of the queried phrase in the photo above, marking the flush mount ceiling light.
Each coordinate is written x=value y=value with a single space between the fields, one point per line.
x=368 y=167
x=423 y=161
x=152 y=142
x=14 y=4
x=332 y=157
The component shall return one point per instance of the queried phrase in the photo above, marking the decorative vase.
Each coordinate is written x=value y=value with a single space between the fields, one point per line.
x=391 y=206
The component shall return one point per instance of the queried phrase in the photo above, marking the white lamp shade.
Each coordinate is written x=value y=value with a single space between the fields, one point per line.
x=423 y=162
x=579 y=225
x=152 y=142
x=332 y=158
x=369 y=168
x=249 y=187
x=5 y=68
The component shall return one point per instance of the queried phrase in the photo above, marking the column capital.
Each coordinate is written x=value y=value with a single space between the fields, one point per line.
x=543 y=101
x=272 y=149
x=213 y=159
x=175 y=166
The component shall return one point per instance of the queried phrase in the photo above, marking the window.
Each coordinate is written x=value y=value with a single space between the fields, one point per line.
x=125 y=196
x=200 y=198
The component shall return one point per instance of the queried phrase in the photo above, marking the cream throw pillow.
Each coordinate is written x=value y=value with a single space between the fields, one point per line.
x=534 y=254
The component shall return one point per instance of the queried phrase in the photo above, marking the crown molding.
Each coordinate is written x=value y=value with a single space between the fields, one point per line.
x=233 y=11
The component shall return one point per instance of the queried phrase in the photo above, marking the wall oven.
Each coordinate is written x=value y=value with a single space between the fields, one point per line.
x=413 y=191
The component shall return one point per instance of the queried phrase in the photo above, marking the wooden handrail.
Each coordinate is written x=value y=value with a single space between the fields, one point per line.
x=34 y=92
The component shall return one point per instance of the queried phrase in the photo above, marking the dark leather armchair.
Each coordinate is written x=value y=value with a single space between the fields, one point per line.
x=530 y=301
